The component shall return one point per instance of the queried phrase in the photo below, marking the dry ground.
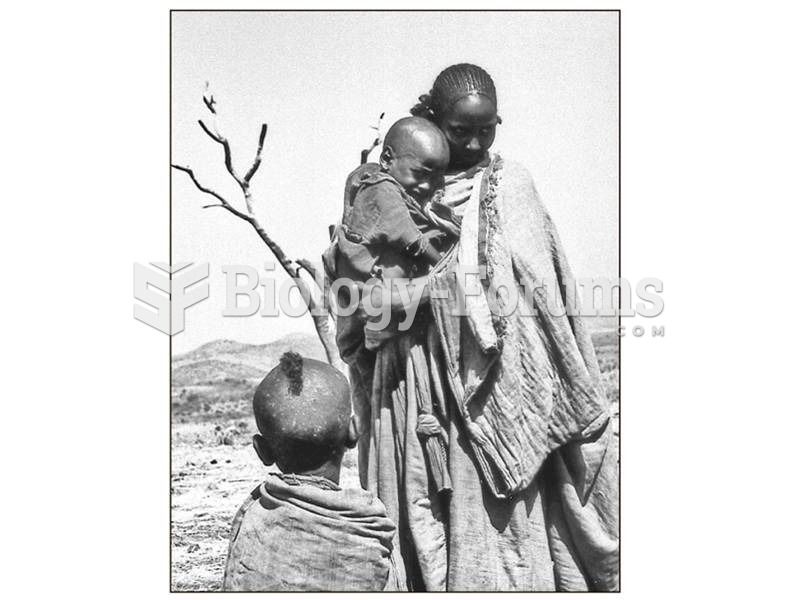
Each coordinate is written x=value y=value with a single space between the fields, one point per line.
x=214 y=467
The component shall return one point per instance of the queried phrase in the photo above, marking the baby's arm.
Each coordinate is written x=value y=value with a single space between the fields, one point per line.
x=426 y=250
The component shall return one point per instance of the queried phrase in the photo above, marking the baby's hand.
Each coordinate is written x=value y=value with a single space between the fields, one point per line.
x=435 y=237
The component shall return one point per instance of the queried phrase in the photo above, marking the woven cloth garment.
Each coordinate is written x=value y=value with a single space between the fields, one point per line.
x=531 y=462
x=525 y=381
x=290 y=535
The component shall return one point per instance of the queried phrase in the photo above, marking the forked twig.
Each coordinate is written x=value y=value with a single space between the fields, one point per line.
x=322 y=322
x=376 y=142
x=222 y=202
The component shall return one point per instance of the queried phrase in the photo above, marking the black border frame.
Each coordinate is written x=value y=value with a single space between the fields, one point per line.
x=619 y=249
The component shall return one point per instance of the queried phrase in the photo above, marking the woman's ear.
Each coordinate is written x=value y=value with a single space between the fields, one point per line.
x=352 y=433
x=261 y=448
x=386 y=157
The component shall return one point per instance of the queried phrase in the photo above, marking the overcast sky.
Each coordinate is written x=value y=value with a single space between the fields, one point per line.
x=320 y=79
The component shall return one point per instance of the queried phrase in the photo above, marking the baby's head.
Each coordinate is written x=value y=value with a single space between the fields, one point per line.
x=415 y=153
x=302 y=410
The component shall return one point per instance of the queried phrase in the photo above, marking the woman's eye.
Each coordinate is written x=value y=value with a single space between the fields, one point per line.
x=459 y=131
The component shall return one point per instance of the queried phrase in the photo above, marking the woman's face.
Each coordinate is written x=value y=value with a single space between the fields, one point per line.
x=469 y=127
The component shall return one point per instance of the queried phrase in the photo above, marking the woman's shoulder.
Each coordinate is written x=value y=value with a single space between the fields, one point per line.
x=514 y=172
x=516 y=185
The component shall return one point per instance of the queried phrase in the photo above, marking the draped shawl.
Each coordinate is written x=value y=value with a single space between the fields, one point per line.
x=526 y=380
x=291 y=536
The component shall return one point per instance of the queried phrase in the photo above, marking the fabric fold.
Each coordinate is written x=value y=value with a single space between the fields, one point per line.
x=526 y=381
x=301 y=537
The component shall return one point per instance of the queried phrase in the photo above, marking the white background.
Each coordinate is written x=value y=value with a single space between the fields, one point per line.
x=709 y=153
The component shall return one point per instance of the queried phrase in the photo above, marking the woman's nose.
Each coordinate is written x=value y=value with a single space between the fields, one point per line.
x=474 y=145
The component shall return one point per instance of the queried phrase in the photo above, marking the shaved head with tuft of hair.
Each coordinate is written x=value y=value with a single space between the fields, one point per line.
x=302 y=410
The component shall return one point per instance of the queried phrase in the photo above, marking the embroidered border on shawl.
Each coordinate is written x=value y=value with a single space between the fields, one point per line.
x=487 y=229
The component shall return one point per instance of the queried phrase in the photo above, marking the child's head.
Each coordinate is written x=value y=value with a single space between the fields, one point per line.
x=415 y=153
x=302 y=410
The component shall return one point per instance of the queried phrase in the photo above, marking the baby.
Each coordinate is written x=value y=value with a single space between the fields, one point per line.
x=385 y=230
x=299 y=531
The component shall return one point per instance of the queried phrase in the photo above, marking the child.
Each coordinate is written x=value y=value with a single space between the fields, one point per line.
x=385 y=231
x=299 y=531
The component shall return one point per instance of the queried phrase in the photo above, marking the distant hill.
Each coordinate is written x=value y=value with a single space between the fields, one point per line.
x=226 y=361
x=221 y=360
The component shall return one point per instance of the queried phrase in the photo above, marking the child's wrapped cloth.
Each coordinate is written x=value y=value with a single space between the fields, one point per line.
x=305 y=533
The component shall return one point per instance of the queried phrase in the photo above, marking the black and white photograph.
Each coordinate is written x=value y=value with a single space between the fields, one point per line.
x=464 y=438
x=399 y=298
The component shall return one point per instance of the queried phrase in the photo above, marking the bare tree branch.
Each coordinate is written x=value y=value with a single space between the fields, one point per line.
x=226 y=148
x=322 y=322
x=287 y=264
x=257 y=160
x=208 y=99
x=209 y=102
x=244 y=183
x=230 y=209
x=376 y=142
x=306 y=265
x=223 y=202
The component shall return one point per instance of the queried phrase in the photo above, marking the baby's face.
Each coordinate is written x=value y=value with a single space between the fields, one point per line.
x=420 y=170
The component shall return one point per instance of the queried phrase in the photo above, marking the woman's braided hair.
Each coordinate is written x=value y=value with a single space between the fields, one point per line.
x=453 y=84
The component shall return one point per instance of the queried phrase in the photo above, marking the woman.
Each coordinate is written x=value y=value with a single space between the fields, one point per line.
x=488 y=437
